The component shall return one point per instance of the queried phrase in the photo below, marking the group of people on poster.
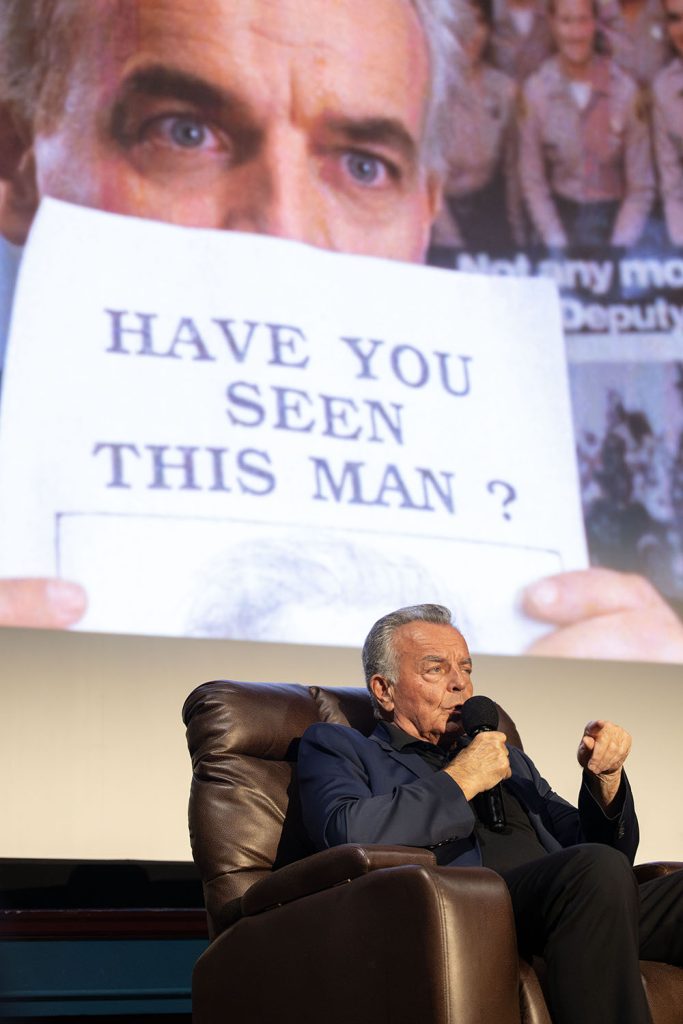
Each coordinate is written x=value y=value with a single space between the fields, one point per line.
x=567 y=130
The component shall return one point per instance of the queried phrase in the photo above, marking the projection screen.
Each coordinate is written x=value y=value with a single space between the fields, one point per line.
x=405 y=143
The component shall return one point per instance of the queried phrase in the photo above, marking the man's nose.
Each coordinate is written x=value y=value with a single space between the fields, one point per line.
x=280 y=194
x=458 y=680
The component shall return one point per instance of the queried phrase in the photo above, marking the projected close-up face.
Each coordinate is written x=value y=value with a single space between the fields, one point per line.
x=299 y=119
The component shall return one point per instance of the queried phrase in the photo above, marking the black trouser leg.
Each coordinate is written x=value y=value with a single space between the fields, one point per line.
x=580 y=910
x=661 y=919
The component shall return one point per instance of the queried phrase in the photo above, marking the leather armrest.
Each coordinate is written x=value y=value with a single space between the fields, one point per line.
x=656 y=869
x=407 y=943
x=326 y=869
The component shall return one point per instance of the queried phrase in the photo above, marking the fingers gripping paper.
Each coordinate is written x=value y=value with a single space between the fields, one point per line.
x=231 y=435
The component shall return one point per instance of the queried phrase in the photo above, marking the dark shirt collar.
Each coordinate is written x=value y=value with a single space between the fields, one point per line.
x=402 y=741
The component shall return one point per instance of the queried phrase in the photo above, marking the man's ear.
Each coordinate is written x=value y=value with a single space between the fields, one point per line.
x=382 y=690
x=434 y=194
x=433 y=199
x=18 y=186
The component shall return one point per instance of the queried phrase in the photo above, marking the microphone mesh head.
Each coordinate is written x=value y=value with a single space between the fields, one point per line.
x=479 y=713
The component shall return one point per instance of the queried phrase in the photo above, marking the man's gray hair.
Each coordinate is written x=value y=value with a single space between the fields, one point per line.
x=445 y=23
x=379 y=651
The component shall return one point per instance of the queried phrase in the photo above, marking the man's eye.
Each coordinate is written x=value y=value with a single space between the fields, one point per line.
x=184 y=132
x=365 y=169
x=187 y=132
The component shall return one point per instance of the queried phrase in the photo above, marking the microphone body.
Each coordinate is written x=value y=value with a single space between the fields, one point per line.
x=480 y=714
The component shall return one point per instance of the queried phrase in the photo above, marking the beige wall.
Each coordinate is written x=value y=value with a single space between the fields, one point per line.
x=93 y=759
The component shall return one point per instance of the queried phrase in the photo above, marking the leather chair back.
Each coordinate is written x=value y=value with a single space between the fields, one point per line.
x=244 y=811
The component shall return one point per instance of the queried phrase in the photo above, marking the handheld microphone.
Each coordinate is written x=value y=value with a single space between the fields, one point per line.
x=480 y=714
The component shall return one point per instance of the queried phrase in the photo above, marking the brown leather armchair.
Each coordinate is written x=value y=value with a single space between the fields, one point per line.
x=361 y=934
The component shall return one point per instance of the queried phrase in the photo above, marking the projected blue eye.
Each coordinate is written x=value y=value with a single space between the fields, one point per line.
x=187 y=132
x=181 y=132
x=365 y=169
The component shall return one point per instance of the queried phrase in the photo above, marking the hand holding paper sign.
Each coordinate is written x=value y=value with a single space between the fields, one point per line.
x=348 y=426
x=350 y=461
x=623 y=630
x=619 y=617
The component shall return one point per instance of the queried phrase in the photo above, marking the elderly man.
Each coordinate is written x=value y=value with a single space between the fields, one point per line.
x=415 y=781
x=298 y=118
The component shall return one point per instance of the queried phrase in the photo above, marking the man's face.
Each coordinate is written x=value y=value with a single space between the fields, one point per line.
x=573 y=25
x=433 y=681
x=297 y=118
x=674 y=21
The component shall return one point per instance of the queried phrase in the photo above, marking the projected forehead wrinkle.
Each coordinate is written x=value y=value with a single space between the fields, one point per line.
x=278 y=35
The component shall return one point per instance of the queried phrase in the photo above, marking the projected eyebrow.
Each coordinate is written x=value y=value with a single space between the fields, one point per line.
x=376 y=131
x=160 y=82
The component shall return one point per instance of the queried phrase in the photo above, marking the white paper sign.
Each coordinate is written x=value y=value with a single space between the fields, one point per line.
x=238 y=436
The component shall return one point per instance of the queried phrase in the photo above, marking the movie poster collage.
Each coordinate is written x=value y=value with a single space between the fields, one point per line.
x=566 y=159
x=563 y=151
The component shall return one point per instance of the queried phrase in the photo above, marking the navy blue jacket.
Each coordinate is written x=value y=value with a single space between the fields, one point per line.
x=358 y=789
